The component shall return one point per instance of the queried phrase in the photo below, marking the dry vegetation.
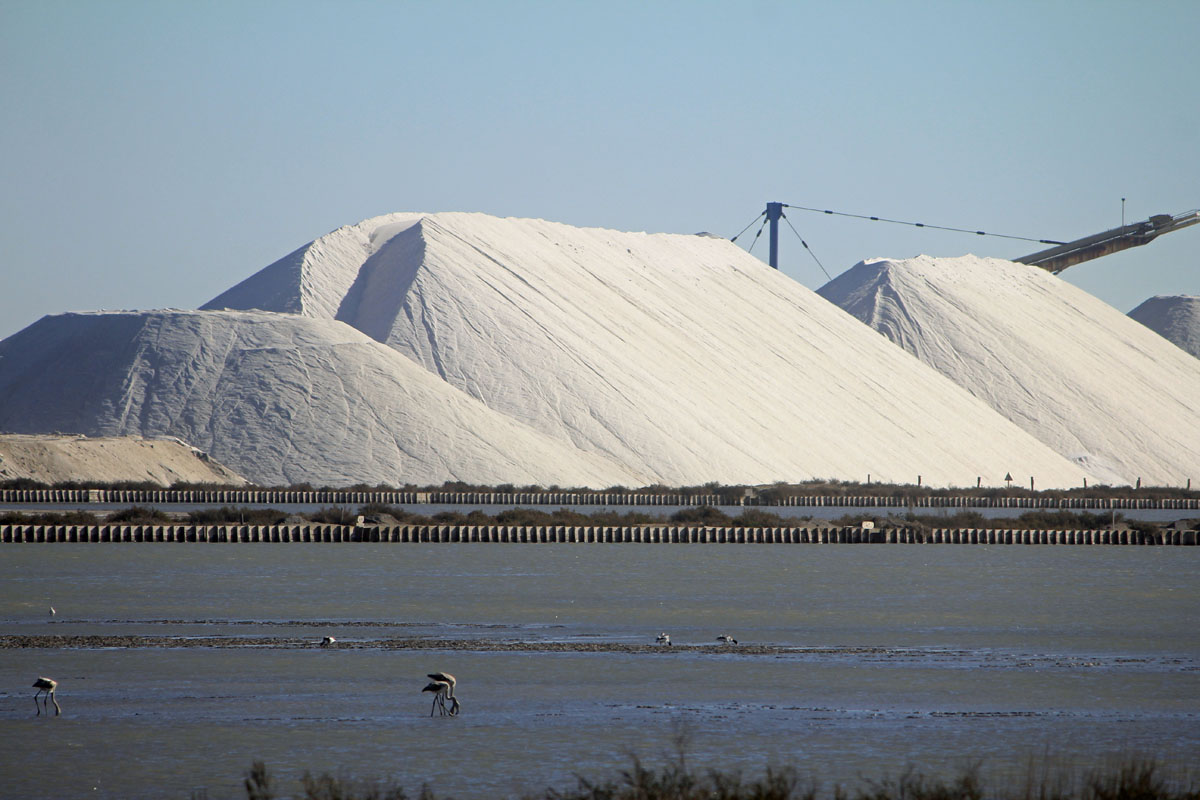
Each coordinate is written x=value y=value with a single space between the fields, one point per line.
x=1136 y=780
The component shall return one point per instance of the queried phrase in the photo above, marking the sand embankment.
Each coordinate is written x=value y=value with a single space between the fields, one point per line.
x=55 y=459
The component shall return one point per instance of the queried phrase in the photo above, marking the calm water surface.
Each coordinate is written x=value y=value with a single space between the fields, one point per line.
x=931 y=656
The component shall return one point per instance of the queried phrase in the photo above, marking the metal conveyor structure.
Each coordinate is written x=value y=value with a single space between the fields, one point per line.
x=1058 y=258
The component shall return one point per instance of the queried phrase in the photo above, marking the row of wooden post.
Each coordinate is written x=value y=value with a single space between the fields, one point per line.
x=645 y=534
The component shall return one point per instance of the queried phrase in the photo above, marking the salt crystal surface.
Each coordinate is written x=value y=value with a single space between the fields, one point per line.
x=280 y=398
x=680 y=357
x=1064 y=366
x=1174 y=317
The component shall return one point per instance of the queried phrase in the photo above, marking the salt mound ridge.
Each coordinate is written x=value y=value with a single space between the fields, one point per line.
x=1175 y=318
x=682 y=358
x=1069 y=369
x=281 y=398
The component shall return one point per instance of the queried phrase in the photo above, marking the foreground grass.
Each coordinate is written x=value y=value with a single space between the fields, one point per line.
x=1135 y=780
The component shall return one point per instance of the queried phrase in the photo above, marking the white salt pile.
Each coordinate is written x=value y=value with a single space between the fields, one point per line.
x=1076 y=373
x=1176 y=318
x=681 y=358
x=281 y=398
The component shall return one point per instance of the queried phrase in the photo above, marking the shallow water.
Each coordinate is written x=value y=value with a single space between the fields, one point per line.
x=882 y=657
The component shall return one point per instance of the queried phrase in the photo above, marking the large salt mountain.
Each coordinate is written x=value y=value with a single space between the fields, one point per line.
x=1076 y=373
x=1174 y=317
x=682 y=358
x=283 y=398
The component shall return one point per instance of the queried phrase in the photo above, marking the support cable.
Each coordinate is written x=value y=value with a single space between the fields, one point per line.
x=743 y=230
x=920 y=224
x=750 y=249
x=806 y=247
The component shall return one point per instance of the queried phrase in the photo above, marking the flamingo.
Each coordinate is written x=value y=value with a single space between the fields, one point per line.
x=47 y=685
x=450 y=682
x=448 y=679
x=663 y=638
x=726 y=638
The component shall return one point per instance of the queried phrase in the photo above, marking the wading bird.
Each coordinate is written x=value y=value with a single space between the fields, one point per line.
x=447 y=678
x=663 y=638
x=47 y=685
x=328 y=640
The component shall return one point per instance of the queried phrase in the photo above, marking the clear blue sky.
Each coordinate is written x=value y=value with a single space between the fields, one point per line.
x=153 y=154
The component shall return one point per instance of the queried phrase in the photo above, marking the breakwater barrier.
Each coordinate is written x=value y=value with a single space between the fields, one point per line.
x=401 y=498
x=645 y=534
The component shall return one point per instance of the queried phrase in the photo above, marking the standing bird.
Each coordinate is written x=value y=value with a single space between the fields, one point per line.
x=47 y=685
x=726 y=639
x=448 y=679
x=327 y=641
x=52 y=611
x=663 y=638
